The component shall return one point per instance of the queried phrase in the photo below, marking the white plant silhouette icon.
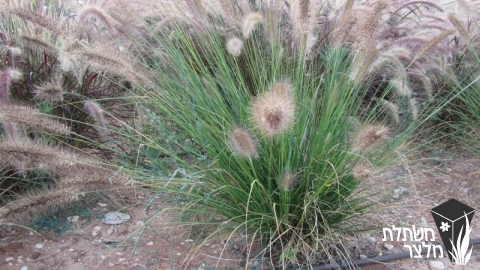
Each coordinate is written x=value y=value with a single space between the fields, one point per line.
x=459 y=253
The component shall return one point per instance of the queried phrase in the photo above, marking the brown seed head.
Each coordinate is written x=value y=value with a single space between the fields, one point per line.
x=287 y=181
x=96 y=112
x=362 y=171
x=273 y=112
x=32 y=118
x=368 y=137
x=243 y=143
x=49 y=92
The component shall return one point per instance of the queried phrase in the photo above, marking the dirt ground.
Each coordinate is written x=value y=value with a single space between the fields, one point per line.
x=150 y=240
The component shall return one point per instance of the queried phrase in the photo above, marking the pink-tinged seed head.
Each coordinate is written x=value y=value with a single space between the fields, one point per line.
x=273 y=112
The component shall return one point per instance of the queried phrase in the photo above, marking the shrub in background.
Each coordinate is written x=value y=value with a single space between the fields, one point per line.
x=51 y=67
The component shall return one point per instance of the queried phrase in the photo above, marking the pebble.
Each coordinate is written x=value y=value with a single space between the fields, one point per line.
x=97 y=228
x=9 y=259
x=150 y=243
x=389 y=246
x=114 y=218
x=73 y=219
x=423 y=220
x=363 y=257
x=24 y=268
x=109 y=231
x=35 y=255
x=371 y=239
x=464 y=190
x=399 y=191
x=39 y=246
x=111 y=264
x=139 y=223
x=436 y=265
x=103 y=205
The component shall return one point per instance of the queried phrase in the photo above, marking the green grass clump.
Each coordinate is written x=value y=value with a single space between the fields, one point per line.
x=274 y=144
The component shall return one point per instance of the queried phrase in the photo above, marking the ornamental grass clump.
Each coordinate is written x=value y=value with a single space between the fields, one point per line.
x=268 y=147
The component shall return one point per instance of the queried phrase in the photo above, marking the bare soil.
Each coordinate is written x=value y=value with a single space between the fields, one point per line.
x=151 y=240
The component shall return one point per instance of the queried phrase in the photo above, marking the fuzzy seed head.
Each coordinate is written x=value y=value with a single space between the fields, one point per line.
x=6 y=78
x=96 y=112
x=273 y=112
x=287 y=181
x=368 y=137
x=250 y=22
x=235 y=46
x=362 y=171
x=392 y=109
x=401 y=87
x=30 y=117
x=242 y=143
x=51 y=92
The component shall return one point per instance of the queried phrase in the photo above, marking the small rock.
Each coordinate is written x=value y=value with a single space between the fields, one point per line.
x=73 y=219
x=24 y=268
x=399 y=191
x=423 y=220
x=464 y=190
x=94 y=233
x=140 y=223
x=110 y=264
x=389 y=246
x=9 y=259
x=95 y=242
x=363 y=257
x=109 y=231
x=114 y=218
x=103 y=205
x=371 y=239
x=39 y=246
x=150 y=243
x=436 y=265
x=36 y=255
x=122 y=259
x=70 y=250
x=97 y=228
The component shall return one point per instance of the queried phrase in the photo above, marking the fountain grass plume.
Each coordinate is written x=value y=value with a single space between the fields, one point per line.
x=273 y=112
